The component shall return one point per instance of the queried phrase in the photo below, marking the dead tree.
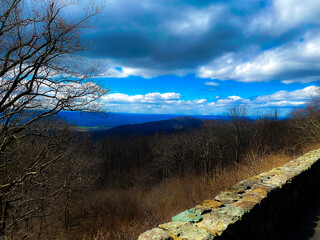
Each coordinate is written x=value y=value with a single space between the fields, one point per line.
x=238 y=119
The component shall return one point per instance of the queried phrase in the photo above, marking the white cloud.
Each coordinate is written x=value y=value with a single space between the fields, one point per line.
x=302 y=80
x=230 y=99
x=283 y=104
x=278 y=63
x=174 y=103
x=147 y=98
x=212 y=84
x=124 y=72
x=200 y=101
x=155 y=103
x=284 y=15
x=301 y=94
x=116 y=71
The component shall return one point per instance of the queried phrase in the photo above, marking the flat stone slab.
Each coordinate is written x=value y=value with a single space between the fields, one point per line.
x=244 y=204
x=244 y=185
x=200 y=209
x=155 y=234
x=187 y=216
x=218 y=220
x=186 y=230
x=227 y=197
x=212 y=203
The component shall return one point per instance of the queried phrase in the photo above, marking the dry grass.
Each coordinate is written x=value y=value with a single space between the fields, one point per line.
x=124 y=214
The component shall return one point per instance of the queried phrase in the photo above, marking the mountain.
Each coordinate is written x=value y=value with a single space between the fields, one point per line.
x=100 y=121
x=149 y=128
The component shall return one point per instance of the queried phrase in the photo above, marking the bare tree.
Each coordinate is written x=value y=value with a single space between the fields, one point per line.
x=40 y=75
x=307 y=120
x=238 y=119
x=205 y=145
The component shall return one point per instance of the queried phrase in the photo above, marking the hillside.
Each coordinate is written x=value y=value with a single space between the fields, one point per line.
x=149 y=128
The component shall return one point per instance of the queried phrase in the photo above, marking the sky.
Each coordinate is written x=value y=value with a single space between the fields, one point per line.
x=204 y=57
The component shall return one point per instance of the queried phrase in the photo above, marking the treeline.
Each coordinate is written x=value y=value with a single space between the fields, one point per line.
x=216 y=145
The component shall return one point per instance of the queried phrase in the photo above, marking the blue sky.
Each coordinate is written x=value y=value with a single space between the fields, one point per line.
x=203 y=57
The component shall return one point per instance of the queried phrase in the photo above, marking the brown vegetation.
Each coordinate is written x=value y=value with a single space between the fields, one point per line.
x=146 y=180
x=136 y=211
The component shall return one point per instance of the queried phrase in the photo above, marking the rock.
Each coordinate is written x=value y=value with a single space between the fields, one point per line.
x=243 y=204
x=254 y=195
x=199 y=209
x=261 y=191
x=244 y=185
x=290 y=170
x=237 y=212
x=187 y=216
x=187 y=230
x=155 y=234
x=277 y=179
x=227 y=197
x=212 y=203
x=219 y=219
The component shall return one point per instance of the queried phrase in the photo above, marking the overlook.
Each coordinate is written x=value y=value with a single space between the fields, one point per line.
x=130 y=119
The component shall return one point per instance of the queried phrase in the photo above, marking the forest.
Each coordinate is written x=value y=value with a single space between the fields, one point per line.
x=119 y=186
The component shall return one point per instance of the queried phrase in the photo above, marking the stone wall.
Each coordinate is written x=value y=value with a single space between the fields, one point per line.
x=256 y=208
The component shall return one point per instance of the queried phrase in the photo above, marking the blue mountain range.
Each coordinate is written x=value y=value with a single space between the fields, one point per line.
x=100 y=121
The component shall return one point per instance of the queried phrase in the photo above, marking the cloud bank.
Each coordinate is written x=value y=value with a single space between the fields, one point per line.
x=240 y=40
x=174 y=103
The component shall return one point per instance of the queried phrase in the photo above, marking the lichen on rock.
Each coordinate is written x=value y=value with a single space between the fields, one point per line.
x=155 y=234
x=187 y=216
x=186 y=230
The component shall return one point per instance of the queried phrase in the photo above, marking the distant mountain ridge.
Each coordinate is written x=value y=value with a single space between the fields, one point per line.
x=102 y=121
x=149 y=128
